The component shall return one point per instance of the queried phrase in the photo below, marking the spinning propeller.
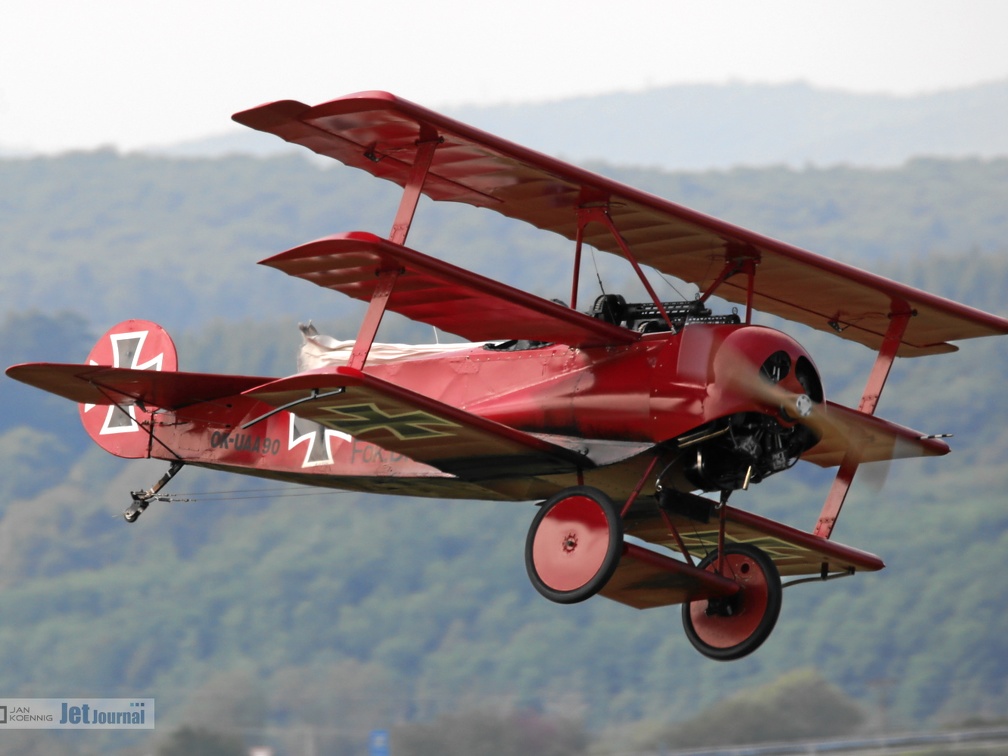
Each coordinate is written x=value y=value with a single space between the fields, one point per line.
x=782 y=384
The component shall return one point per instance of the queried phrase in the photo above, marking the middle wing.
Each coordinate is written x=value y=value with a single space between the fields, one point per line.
x=443 y=295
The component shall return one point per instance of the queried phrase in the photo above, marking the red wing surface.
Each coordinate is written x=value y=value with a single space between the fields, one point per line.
x=404 y=422
x=645 y=579
x=379 y=133
x=443 y=295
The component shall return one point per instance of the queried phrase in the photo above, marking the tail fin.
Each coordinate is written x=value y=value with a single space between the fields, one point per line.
x=137 y=345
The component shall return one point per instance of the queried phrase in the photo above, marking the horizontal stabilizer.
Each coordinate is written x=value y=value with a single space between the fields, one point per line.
x=424 y=429
x=445 y=296
x=100 y=384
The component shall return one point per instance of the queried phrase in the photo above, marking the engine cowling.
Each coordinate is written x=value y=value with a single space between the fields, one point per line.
x=763 y=386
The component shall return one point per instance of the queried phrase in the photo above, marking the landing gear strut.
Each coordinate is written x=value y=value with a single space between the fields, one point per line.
x=142 y=499
x=732 y=597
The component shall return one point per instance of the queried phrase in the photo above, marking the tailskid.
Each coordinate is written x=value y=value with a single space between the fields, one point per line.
x=142 y=499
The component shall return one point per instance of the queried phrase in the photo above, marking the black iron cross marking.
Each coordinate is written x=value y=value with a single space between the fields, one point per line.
x=359 y=419
x=317 y=438
x=126 y=349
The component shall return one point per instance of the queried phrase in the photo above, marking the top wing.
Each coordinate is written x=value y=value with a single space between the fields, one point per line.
x=380 y=133
x=445 y=296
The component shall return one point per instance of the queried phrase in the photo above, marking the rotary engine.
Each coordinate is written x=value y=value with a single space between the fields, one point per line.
x=744 y=447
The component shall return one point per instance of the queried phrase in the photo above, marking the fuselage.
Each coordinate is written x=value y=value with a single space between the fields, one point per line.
x=638 y=398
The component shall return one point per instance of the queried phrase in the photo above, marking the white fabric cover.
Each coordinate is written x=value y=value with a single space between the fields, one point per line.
x=319 y=351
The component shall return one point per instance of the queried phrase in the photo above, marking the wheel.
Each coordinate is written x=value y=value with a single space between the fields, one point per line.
x=574 y=544
x=735 y=626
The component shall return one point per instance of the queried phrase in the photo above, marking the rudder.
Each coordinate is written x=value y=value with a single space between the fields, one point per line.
x=139 y=345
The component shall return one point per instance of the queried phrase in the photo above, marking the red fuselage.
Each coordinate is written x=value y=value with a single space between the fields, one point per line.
x=654 y=391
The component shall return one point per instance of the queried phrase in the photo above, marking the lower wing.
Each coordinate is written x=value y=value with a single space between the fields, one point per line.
x=403 y=421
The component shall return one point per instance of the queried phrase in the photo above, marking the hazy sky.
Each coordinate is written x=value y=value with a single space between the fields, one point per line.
x=132 y=73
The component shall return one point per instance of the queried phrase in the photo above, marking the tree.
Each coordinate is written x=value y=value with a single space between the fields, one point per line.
x=799 y=705
x=491 y=733
x=200 y=741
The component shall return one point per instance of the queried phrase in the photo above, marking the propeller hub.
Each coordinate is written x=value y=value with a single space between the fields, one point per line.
x=803 y=405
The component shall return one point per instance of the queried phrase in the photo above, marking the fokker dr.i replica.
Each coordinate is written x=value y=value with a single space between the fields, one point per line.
x=616 y=420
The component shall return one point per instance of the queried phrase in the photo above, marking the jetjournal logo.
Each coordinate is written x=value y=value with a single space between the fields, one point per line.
x=77 y=713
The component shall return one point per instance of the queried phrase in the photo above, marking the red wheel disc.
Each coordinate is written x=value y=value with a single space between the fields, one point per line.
x=732 y=627
x=572 y=543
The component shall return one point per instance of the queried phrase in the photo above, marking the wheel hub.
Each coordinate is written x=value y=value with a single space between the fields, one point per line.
x=723 y=607
x=570 y=543
x=574 y=544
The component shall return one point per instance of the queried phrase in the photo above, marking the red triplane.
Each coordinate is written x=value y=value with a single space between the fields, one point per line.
x=613 y=419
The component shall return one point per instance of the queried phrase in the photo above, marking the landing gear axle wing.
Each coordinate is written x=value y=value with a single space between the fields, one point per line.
x=649 y=579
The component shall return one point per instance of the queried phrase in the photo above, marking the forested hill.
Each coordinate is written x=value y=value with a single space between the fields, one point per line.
x=124 y=236
x=256 y=611
x=704 y=126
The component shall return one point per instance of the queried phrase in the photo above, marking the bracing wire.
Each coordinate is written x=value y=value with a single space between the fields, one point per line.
x=660 y=275
x=598 y=275
x=247 y=494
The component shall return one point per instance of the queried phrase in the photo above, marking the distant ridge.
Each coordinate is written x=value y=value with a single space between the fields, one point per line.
x=702 y=127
